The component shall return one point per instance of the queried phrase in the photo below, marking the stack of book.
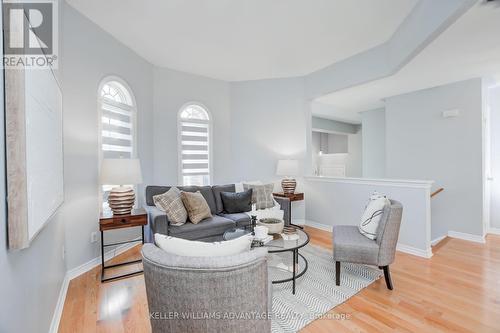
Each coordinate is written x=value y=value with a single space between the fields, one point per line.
x=290 y=233
x=263 y=241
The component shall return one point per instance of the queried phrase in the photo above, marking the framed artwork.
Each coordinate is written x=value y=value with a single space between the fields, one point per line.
x=34 y=146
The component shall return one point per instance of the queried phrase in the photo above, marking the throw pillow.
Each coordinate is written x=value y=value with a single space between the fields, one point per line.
x=187 y=248
x=372 y=215
x=239 y=186
x=237 y=202
x=196 y=206
x=171 y=203
x=262 y=195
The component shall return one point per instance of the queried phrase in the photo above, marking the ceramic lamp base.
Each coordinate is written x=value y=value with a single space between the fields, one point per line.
x=121 y=200
x=288 y=185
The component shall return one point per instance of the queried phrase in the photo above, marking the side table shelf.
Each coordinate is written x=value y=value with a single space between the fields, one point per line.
x=108 y=221
x=291 y=198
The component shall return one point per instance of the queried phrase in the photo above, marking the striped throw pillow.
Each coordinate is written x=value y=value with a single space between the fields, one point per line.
x=171 y=203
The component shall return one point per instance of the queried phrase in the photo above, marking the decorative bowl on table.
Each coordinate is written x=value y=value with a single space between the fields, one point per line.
x=275 y=226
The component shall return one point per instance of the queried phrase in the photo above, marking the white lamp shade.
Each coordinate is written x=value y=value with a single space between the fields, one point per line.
x=121 y=171
x=287 y=168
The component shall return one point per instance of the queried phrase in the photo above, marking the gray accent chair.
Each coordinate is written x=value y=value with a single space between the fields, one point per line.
x=349 y=245
x=222 y=286
x=210 y=229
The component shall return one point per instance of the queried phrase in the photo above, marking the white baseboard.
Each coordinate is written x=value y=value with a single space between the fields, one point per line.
x=77 y=271
x=467 y=237
x=56 y=317
x=299 y=221
x=317 y=225
x=494 y=231
x=437 y=240
x=414 y=251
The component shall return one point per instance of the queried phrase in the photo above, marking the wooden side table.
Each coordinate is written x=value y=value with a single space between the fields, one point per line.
x=108 y=221
x=291 y=197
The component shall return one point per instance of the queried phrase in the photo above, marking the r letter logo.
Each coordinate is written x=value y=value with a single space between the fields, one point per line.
x=30 y=33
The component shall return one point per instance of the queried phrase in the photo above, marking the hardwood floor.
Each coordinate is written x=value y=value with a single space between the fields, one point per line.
x=457 y=290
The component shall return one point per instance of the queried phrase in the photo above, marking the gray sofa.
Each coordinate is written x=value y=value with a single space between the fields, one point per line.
x=210 y=229
x=179 y=288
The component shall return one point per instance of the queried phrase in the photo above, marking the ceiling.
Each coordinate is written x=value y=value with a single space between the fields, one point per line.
x=467 y=49
x=237 y=40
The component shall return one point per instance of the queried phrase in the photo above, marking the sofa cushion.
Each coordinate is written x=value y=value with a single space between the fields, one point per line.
x=217 y=189
x=206 y=191
x=239 y=202
x=196 y=206
x=189 y=248
x=241 y=219
x=216 y=225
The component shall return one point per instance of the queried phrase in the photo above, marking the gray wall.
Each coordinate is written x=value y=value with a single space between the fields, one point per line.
x=173 y=89
x=421 y=144
x=330 y=125
x=86 y=61
x=354 y=161
x=30 y=279
x=268 y=122
x=336 y=143
x=373 y=138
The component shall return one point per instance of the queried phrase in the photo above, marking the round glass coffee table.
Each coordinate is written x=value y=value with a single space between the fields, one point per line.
x=281 y=266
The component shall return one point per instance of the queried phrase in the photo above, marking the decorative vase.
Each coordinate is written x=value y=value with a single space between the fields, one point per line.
x=288 y=185
x=274 y=226
x=121 y=200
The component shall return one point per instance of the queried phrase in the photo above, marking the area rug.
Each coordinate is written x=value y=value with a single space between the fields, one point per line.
x=316 y=293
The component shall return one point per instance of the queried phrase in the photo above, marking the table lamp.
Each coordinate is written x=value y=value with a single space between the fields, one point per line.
x=288 y=169
x=121 y=173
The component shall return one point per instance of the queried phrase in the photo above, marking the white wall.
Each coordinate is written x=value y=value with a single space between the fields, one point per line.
x=341 y=201
x=173 y=89
x=373 y=143
x=494 y=101
x=88 y=55
x=421 y=144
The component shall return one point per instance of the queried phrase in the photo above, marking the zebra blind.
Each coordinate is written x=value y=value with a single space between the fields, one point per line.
x=117 y=114
x=117 y=126
x=195 y=146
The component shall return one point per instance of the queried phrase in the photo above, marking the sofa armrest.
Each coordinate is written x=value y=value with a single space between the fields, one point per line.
x=158 y=221
x=285 y=207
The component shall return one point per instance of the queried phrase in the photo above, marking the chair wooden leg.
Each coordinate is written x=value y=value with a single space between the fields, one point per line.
x=387 y=275
x=337 y=273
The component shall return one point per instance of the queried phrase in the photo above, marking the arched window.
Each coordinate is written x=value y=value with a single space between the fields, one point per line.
x=117 y=122
x=194 y=145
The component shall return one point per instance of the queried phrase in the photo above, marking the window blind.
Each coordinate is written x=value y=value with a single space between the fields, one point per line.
x=195 y=150
x=117 y=129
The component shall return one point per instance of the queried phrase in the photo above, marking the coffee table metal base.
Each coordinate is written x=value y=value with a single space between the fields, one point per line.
x=295 y=274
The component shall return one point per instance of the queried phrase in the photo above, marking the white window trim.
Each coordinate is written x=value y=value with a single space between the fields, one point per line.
x=180 y=179
x=99 y=127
